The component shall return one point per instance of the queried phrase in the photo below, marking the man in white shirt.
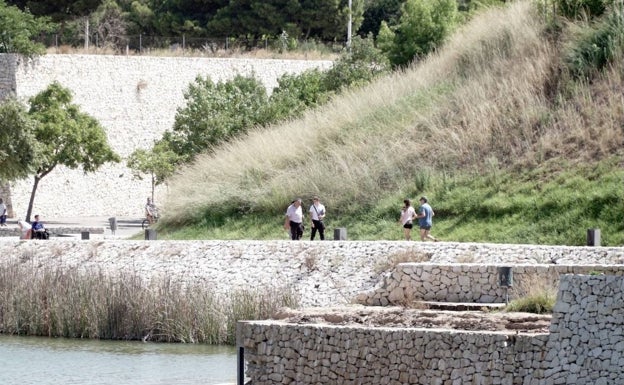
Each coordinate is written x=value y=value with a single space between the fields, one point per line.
x=294 y=220
x=317 y=213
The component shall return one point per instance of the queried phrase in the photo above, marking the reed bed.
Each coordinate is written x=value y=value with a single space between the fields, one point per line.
x=65 y=302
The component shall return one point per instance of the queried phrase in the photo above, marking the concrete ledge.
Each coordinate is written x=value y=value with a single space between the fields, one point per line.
x=57 y=231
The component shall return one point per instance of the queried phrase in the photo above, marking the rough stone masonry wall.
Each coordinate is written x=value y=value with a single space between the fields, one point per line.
x=469 y=282
x=135 y=98
x=321 y=273
x=585 y=346
x=279 y=353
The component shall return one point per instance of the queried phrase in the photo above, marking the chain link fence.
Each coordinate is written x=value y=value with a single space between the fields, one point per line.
x=145 y=44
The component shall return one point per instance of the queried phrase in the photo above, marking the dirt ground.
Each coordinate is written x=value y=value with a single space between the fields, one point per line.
x=418 y=318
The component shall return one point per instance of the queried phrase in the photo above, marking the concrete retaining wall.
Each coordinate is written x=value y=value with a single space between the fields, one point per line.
x=585 y=346
x=135 y=98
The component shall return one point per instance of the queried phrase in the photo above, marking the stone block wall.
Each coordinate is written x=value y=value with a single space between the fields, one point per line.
x=311 y=354
x=586 y=343
x=319 y=273
x=135 y=98
x=585 y=346
x=468 y=282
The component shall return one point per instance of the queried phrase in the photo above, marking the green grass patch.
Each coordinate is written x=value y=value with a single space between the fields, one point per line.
x=547 y=205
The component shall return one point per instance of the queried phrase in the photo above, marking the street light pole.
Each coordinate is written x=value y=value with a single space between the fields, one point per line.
x=349 y=28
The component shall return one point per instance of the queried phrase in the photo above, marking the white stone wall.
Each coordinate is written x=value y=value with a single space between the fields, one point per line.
x=135 y=98
x=585 y=346
x=468 y=282
x=320 y=273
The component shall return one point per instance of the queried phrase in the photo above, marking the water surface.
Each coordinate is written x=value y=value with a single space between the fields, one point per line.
x=47 y=361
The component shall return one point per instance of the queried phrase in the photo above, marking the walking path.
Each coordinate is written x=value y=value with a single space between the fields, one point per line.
x=127 y=227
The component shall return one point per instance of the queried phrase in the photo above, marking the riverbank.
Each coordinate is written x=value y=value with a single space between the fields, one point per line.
x=325 y=273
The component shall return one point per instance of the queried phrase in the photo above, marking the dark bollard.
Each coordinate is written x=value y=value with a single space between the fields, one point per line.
x=84 y=235
x=593 y=237
x=240 y=366
x=505 y=276
x=150 y=234
x=340 y=234
x=505 y=279
x=113 y=224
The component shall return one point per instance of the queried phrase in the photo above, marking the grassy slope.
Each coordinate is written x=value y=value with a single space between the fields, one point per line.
x=505 y=146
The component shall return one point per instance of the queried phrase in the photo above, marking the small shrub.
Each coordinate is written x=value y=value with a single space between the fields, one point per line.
x=535 y=294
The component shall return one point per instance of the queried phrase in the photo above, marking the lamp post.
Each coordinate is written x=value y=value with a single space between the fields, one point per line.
x=349 y=28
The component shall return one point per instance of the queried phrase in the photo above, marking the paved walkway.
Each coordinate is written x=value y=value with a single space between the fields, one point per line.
x=126 y=226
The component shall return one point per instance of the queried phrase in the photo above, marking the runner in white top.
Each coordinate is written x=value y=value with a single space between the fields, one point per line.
x=408 y=214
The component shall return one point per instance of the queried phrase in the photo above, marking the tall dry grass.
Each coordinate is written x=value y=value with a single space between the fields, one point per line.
x=485 y=100
x=535 y=293
x=66 y=302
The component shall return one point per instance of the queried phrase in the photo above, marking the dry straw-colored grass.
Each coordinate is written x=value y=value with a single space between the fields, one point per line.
x=481 y=101
x=535 y=292
x=65 y=302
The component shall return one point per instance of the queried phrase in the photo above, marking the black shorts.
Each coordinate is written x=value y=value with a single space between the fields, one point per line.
x=425 y=227
x=408 y=226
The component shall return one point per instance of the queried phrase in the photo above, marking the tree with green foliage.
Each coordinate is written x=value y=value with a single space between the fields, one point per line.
x=422 y=27
x=66 y=136
x=311 y=88
x=297 y=92
x=18 y=147
x=109 y=24
x=59 y=10
x=583 y=9
x=357 y=66
x=18 y=30
x=216 y=112
x=159 y=163
x=377 y=11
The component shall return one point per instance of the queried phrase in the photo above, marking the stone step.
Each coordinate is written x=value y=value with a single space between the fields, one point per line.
x=462 y=306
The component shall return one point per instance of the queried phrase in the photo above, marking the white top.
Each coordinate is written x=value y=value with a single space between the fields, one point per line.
x=2 y=209
x=295 y=214
x=407 y=215
x=25 y=226
x=316 y=212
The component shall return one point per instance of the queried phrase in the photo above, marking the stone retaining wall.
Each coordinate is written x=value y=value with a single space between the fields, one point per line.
x=135 y=98
x=585 y=346
x=320 y=273
x=468 y=282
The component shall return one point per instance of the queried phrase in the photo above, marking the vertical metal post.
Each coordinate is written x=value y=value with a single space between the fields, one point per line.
x=505 y=279
x=349 y=28
x=240 y=366
x=113 y=224
x=150 y=234
x=593 y=237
